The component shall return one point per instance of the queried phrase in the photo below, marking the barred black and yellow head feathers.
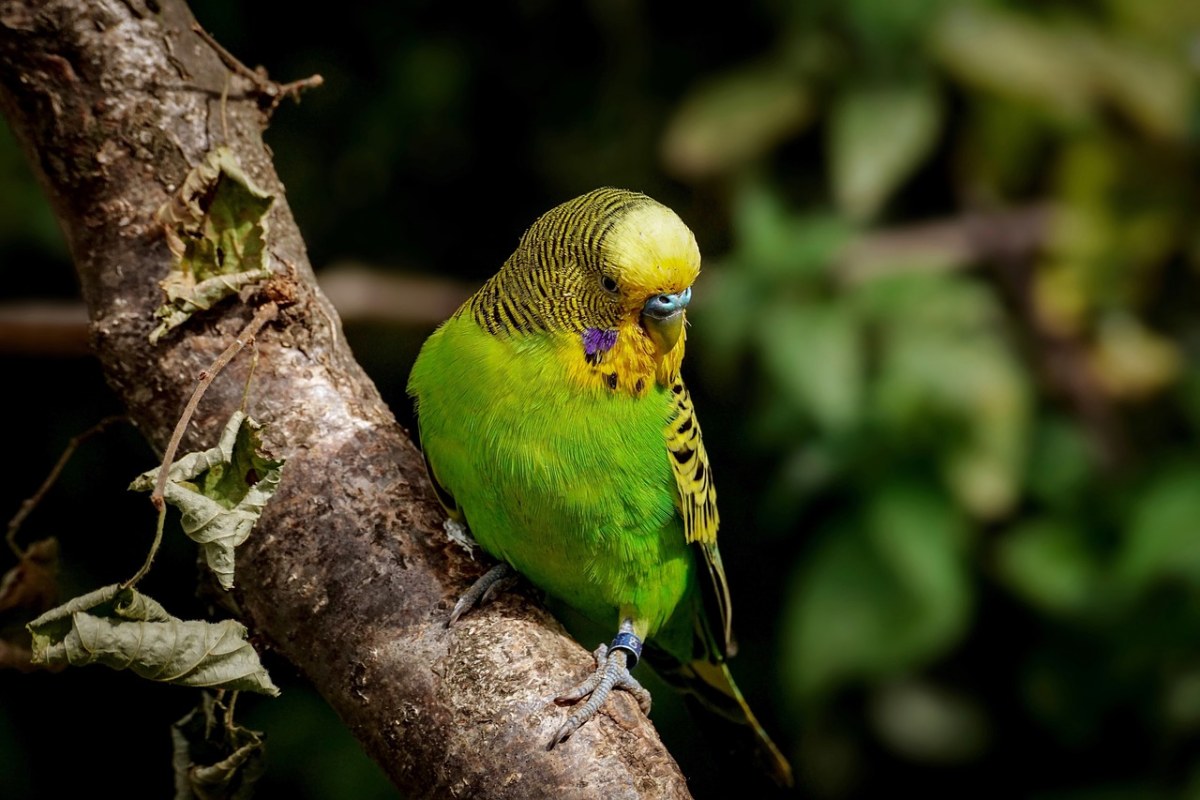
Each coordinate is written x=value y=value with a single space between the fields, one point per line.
x=592 y=264
x=589 y=263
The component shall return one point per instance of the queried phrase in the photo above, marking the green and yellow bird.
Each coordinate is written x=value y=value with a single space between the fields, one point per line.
x=555 y=425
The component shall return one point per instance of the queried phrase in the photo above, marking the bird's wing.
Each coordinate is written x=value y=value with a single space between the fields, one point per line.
x=697 y=499
x=443 y=494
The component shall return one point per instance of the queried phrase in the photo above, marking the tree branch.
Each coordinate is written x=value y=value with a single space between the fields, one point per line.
x=348 y=574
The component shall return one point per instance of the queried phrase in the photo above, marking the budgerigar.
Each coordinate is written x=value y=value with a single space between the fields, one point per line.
x=556 y=426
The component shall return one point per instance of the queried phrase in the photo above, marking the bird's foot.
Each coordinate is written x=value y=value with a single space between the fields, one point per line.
x=498 y=577
x=611 y=673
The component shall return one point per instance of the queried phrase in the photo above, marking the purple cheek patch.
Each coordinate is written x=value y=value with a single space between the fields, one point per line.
x=597 y=342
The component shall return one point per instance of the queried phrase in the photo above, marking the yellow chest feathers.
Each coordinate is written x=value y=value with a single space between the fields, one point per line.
x=622 y=359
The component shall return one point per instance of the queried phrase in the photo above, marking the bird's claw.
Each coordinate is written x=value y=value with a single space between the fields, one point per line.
x=611 y=673
x=498 y=577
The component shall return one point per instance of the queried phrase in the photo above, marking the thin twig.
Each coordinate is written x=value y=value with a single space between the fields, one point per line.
x=293 y=89
x=224 y=106
x=249 y=379
x=233 y=696
x=15 y=523
x=158 y=537
x=229 y=59
x=265 y=86
x=264 y=315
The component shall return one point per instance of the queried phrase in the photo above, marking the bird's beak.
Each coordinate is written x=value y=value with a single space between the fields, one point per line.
x=662 y=317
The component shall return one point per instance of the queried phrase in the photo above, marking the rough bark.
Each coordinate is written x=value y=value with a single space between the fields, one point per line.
x=348 y=575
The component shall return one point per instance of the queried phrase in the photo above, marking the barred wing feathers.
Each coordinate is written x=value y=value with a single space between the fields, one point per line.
x=697 y=500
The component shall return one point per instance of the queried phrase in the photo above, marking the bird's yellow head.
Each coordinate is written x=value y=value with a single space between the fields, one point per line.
x=613 y=269
x=648 y=263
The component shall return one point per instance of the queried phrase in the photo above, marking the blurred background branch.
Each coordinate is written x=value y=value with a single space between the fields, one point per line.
x=364 y=294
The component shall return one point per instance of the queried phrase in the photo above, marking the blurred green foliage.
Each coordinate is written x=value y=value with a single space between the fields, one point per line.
x=946 y=346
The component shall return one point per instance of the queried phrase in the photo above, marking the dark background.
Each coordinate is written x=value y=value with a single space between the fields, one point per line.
x=945 y=350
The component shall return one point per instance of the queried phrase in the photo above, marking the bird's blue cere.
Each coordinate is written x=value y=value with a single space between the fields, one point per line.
x=665 y=306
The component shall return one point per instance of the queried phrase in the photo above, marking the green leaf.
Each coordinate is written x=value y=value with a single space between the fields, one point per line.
x=1161 y=538
x=1131 y=360
x=776 y=244
x=1048 y=563
x=732 y=119
x=221 y=492
x=886 y=28
x=878 y=136
x=879 y=597
x=1015 y=55
x=814 y=355
x=1061 y=462
x=213 y=758
x=1067 y=68
x=216 y=228
x=1152 y=88
x=123 y=629
x=943 y=358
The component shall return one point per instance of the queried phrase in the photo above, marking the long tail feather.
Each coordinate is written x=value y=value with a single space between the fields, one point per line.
x=713 y=686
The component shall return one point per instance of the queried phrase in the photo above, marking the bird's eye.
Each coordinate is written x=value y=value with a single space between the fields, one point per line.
x=609 y=284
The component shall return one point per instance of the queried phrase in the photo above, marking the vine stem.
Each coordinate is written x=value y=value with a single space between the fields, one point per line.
x=265 y=314
x=31 y=503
